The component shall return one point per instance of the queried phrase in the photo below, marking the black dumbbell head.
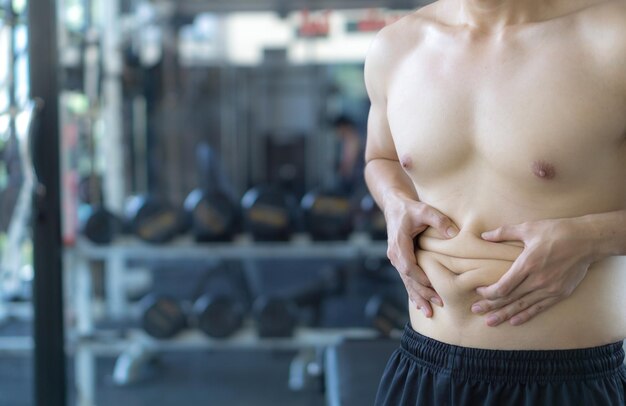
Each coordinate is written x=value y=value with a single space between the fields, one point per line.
x=275 y=316
x=212 y=216
x=385 y=314
x=100 y=225
x=162 y=317
x=218 y=316
x=328 y=215
x=153 y=220
x=268 y=213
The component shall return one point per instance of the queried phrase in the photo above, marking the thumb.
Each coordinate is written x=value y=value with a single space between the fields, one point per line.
x=435 y=219
x=504 y=233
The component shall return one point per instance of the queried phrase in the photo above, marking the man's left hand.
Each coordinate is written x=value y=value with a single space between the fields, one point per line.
x=554 y=261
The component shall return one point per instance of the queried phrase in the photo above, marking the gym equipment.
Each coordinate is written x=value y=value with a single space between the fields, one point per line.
x=327 y=215
x=212 y=216
x=218 y=316
x=269 y=213
x=135 y=364
x=220 y=312
x=217 y=306
x=353 y=369
x=163 y=317
x=386 y=315
x=379 y=270
x=152 y=220
x=278 y=315
x=374 y=218
x=100 y=225
x=305 y=370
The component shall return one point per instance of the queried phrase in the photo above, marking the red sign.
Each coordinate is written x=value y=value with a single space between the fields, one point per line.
x=314 y=25
x=373 y=20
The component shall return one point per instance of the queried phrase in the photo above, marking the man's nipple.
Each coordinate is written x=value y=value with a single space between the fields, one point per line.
x=543 y=170
x=406 y=162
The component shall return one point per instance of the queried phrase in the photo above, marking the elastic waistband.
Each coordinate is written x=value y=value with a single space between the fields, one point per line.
x=515 y=365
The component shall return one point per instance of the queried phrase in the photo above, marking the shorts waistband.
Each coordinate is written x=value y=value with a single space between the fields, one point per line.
x=513 y=365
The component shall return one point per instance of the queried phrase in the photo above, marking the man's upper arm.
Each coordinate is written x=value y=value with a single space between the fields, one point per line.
x=379 y=143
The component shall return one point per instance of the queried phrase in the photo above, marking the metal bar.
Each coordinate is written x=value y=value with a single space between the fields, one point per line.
x=84 y=363
x=49 y=357
x=82 y=297
x=115 y=286
x=134 y=249
x=86 y=376
x=304 y=337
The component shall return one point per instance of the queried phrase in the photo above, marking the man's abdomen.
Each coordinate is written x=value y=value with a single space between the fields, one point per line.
x=593 y=315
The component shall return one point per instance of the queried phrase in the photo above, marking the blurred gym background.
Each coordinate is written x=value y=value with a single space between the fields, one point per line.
x=183 y=215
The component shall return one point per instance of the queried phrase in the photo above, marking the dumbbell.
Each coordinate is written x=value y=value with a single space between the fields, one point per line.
x=376 y=225
x=327 y=215
x=212 y=216
x=152 y=220
x=218 y=312
x=277 y=315
x=379 y=270
x=385 y=315
x=99 y=225
x=221 y=310
x=269 y=213
x=163 y=317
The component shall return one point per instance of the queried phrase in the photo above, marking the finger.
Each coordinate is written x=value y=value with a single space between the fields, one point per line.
x=421 y=303
x=513 y=278
x=427 y=288
x=485 y=306
x=435 y=219
x=504 y=233
x=415 y=280
x=406 y=263
x=419 y=291
x=501 y=315
x=523 y=316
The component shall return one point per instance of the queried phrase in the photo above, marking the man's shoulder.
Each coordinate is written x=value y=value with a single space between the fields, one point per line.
x=413 y=23
x=400 y=37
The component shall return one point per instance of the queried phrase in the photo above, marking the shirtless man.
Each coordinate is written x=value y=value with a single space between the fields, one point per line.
x=497 y=151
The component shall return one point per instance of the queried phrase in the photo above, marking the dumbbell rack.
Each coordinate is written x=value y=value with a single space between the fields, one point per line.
x=85 y=342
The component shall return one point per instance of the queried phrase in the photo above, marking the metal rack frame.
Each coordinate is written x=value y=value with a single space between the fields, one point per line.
x=86 y=342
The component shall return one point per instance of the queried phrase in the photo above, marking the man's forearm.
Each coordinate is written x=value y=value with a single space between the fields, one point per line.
x=386 y=179
x=607 y=233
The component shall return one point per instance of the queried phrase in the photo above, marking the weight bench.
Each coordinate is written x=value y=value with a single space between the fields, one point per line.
x=353 y=370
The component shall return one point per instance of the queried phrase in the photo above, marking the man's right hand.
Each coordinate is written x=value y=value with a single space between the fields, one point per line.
x=406 y=218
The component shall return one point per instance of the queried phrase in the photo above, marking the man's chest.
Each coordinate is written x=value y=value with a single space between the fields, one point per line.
x=513 y=111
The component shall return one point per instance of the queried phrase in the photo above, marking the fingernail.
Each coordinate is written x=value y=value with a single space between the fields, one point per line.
x=424 y=311
x=516 y=321
x=477 y=309
x=484 y=235
x=437 y=301
x=493 y=320
x=452 y=232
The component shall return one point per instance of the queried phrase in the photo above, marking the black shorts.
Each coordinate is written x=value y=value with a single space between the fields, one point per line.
x=427 y=372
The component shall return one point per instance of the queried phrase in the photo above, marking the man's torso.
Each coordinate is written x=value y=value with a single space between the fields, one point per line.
x=502 y=129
